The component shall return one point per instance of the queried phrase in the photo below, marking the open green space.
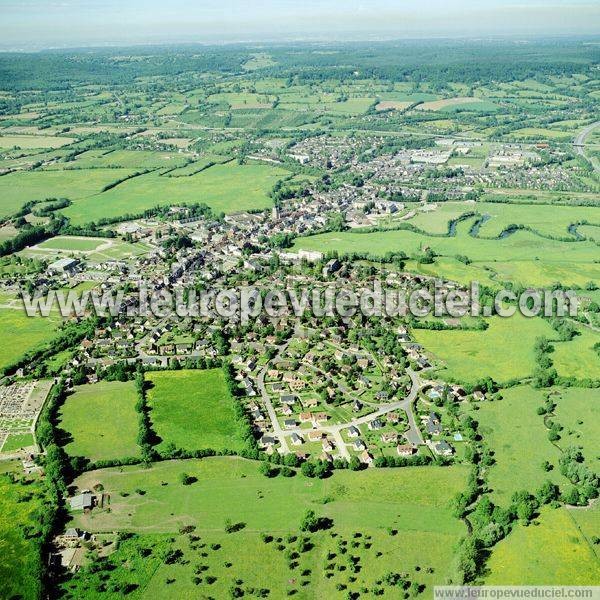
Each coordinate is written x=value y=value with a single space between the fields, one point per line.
x=225 y=188
x=63 y=242
x=503 y=351
x=33 y=141
x=518 y=437
x=101 y=421
x=411 y=503
x=16 y=441
x=553 y=552
x=194 y=410
x=21 y=565
x=25 y=333
x=20 y=187
x=577 y=357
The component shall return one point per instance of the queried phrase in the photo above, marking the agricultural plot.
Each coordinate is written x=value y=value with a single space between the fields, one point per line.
x=519 y=438
x=462 y=103
x=194 y=410
x=578 y=411
x=100 y=421
x=577 y=357
x=25 y=333
x=127 y=159
x=410 y=501
x=225 y=188
x=33 y=141
x=556 y=551
x=21 y=566
x=71 y=243
x=18 y=188
x=504 y=351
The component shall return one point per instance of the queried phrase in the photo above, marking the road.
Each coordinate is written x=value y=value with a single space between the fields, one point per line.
x=579 y=145
x=413 y=433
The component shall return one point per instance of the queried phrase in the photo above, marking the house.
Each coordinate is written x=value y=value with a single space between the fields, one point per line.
x=366 y=458
x=375 y=424
x=306 y=417
x=393 y=418
x=433 y=424
x=286 y=410
x=315 y=436
x=359 y=445
x=331 y=267
x=296 y=439
x=289 y=400
x=389 y=437
x=357 y=406
x=382 y=395
x=72 y=534
x=83 y=501
x=268 y=441
x=289 y=423
x=478 y=395
x=64 y=266
x=327 y=445
x=310 y=402
x=353 y=432
x=443 y=448
x=320 y=417
x=406 y=449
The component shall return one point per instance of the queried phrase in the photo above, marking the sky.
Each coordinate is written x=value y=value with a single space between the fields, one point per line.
x=34 y=24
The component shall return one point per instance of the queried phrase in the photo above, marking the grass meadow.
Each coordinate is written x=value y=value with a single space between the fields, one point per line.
x=518 y=436
x=577 y=357
x=193 y=410
x=551 y=552
x=24 y=333
x=225 y=188
x=21 y=565
x=18 y=188
x=409 y=501
x=503 y=351
x=101 y=421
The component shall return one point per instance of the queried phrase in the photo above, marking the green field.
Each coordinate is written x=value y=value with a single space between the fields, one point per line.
x=504 y=351
x=16 y=441
x=194 y=410
x=225 y=188
x=578 y=411
x=21 y=565
x=25 y=333
x=577 y=358
x=20 y=187
x=544 y=257
x=101 y=420
x=67 y=243
x=519 y=439
x=410 y=500
x=551 y=553
x=33 y=141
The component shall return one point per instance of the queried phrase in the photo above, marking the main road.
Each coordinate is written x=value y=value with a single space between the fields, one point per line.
x=579 y=145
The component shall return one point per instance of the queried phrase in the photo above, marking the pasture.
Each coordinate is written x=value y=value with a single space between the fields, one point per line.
x=18 y=188
x=410 y=501
x=25 y=333
x=193 y=410
x=577 y=357
x=518 y=436
x=578 y=411
x=556 y=554
x=16 y=441
x=100 y=421
x=225 y=188
x=21 y=564
x=504 y=351
x=28 y=142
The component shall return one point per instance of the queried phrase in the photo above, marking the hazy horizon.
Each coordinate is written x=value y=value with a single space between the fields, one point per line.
x=39 y=24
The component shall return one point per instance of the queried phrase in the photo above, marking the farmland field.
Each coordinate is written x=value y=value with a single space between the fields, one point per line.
x=556 y=553
x=24 y=333
x=499 y=352
x=33 y=141
x=21 y=566
x=194 y=410
x=231 y=488
x=517 y=434
x=101 y=421
x=226 y=188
